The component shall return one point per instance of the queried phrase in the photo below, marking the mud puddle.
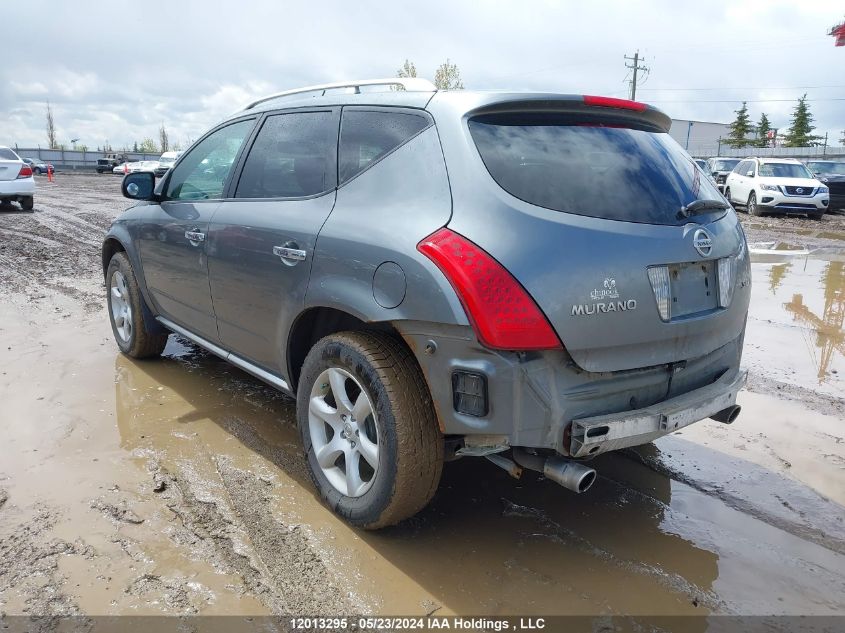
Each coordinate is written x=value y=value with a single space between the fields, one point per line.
x=177 y=486
x=795 y=333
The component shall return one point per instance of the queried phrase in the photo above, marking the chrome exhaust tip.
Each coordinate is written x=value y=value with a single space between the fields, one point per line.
x=569 y=474
x=726 y=416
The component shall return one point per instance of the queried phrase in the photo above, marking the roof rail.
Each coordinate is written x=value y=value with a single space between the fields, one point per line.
x=413 y=84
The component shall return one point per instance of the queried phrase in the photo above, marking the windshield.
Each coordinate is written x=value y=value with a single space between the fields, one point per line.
x=784 y=170
x=168 y=160
x=827 y=168
x=7 y=154
x=725 y=164
x=605 y=172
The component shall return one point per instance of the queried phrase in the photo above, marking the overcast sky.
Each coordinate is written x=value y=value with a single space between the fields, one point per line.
x=116 y=70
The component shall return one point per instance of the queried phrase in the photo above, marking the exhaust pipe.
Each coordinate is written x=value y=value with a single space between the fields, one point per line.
x=726 y=416
x=568 y=473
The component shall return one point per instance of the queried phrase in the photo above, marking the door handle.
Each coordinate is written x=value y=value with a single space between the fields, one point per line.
x=195 y=236
x=288 y=253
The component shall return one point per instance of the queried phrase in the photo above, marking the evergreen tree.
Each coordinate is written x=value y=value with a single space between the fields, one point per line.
x=800 y=131
x=763 y=128
x=740 y=128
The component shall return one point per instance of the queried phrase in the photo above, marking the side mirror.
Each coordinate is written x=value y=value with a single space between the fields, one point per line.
x=139 y=186
x=750 y=174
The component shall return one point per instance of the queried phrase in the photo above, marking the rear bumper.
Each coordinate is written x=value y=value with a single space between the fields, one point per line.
x=17 y=187
x=535 y=397
x=602 y=433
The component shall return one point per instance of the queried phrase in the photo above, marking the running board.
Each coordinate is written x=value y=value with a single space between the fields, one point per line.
x=237 y=361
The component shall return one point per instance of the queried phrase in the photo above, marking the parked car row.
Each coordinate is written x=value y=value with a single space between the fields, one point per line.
x=158 y=167
x=779 y=185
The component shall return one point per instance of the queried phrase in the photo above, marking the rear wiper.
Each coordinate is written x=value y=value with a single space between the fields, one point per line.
x=701 y=206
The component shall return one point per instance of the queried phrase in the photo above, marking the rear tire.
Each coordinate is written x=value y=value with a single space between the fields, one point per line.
x=383 y=414
x=752 y=207
x=27 y=203
x=126 y=312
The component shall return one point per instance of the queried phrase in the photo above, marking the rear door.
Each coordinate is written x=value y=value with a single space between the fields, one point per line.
x=172 y=243
x=10 y=164
x=261 y=241
x=591 y=225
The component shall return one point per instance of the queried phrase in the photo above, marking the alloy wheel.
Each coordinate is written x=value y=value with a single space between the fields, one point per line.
x=121 y=308
x=343 y=430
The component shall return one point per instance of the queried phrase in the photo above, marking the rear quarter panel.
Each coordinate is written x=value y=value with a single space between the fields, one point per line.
x=380 y=216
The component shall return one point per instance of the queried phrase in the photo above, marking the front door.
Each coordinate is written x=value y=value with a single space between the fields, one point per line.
x=261 y=242
x=172 y=244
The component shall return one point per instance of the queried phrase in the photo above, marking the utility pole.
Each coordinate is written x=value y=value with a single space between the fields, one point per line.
x=635 y=68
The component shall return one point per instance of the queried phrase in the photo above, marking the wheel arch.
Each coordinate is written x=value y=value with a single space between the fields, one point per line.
x=316 y=322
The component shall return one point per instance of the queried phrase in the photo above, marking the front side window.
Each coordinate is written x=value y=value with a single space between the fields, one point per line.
x=614 y=173
x=203 y=173
x=292 y=157
x=784 y=170
x=366 y=136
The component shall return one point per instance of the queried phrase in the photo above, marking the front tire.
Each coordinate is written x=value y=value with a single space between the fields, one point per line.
x=126 y=312
x=752 y=207
x=369 y=430
x=728 y=195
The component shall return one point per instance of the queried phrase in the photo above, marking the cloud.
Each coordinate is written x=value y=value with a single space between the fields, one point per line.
x=116 y=74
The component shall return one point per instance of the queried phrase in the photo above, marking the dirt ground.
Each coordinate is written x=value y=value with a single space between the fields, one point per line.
x=177 y=486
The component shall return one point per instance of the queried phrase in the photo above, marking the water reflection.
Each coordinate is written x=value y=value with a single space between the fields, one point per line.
x=797 y=307
x=829 y=336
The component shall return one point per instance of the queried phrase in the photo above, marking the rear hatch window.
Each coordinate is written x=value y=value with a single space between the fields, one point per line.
x=568 y=165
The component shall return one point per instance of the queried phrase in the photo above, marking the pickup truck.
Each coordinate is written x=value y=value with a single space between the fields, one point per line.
x=106 y=164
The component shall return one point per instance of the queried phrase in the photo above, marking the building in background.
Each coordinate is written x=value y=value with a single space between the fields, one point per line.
x=701 y=139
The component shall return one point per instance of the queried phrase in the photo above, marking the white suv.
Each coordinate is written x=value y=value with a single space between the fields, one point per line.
x=16 y=181
x=776 y=185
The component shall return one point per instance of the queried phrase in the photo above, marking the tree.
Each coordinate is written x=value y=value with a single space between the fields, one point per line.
x=135 y=147
x=408 y=70
x=842 y=140
x=148 y=146
x=800 y=131
x=162 y=138
x=740 y=128
x=763 y=128
x=51 y=128
x=448 y=77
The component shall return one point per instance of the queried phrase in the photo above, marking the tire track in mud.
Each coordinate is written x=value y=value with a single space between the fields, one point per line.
x=236 y=530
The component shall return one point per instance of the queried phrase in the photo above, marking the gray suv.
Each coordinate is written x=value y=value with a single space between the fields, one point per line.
x=531 y=278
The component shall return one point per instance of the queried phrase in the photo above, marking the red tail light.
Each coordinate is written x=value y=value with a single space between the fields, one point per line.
x=25 y=172
x=611 y=102
x=503 y=315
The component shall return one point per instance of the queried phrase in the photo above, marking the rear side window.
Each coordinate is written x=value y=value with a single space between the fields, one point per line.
x=292 y=157
x=367 y=136
x=7 y=154
x=604 y=172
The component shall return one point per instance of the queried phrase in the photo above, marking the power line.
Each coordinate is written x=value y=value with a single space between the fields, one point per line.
x=745 y=100
x=743 y=88
x=635 y=69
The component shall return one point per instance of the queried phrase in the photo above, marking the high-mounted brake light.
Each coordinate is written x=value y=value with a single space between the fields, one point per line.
x=612 y=102
x=502 y=313
x=25 y=172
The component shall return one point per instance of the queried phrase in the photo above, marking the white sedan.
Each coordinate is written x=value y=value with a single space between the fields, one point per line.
x=16 y=181
x=141 y=165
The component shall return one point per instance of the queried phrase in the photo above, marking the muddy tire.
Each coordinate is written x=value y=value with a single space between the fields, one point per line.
x=752 y=207
x=362 y=400
x=27 y=203
x=126 y=312
x=728 y=195
x=816 y=216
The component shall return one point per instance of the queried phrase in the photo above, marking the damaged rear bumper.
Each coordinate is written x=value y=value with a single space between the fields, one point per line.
x=599 y=434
